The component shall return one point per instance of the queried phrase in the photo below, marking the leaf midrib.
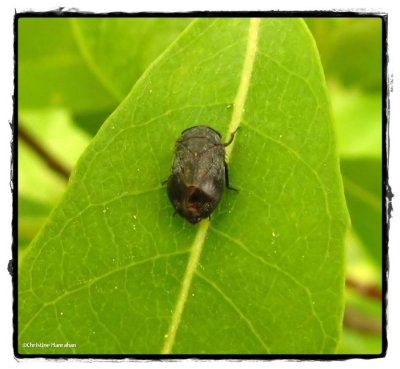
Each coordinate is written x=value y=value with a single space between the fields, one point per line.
x=198 y=243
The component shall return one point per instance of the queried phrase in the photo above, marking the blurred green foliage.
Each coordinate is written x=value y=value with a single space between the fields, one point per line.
x=52 y=71
x=87 y=65
x=72 y=73
x=357 y=109
x=351 y=53
x=351 y=50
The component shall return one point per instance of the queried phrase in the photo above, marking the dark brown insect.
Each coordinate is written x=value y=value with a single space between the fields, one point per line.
x=199 y=173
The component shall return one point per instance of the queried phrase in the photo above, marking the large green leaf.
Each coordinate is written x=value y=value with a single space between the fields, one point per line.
x=114 y=272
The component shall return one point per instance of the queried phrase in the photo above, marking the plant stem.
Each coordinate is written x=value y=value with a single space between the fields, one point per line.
x=364 y=289
x=46 y=156
x=354 y=319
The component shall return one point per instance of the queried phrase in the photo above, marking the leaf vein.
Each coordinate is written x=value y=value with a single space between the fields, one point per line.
x=94 y=280
x=105 y=326
x=279 y=270
x=295 y=154
x=235 y=307
x=291 y=73
x=89 y=206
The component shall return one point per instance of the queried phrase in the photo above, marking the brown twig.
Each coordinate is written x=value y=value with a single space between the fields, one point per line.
x=362 y=322
x=46 y=156
x=364 y=289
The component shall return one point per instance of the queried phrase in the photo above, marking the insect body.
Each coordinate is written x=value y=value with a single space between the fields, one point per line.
x=199 y=173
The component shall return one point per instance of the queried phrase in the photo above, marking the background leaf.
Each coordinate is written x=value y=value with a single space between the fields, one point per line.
x=138 y=40
x=364 y=199
x=40 y=187
x=351 y=51
x=48 y=52
x=362 y=333
x=114 y=272
x=358 y=120
x=89 y=64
